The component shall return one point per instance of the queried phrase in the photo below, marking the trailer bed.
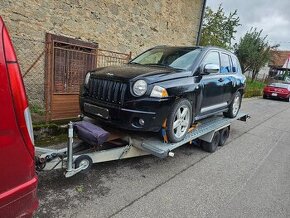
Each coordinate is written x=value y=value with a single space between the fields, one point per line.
x=77 y=156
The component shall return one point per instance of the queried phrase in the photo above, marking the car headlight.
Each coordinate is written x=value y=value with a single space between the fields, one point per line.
x=158 y=92
x=87 y=79
x=140 y=87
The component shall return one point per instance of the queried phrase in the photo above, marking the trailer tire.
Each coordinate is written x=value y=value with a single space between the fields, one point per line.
x=211 y=146
x=84 y=160
x=224 y=135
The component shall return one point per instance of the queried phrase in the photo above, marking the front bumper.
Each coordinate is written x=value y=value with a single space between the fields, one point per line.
x=151 y=111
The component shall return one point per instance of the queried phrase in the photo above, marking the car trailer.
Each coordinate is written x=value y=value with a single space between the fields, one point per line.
x=78 y=157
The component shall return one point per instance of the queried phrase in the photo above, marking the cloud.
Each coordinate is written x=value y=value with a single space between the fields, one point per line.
x=271 y=16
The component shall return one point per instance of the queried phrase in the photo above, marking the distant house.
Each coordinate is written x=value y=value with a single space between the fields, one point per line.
x=279 y=63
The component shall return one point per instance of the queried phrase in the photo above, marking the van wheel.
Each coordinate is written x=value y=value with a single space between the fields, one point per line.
x=179 y=120
x=234 y=107
x=85 y=161
x=211 y=146
x=224 y=135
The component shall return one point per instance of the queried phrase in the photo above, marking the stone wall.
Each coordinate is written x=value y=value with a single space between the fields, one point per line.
x=118 y=25
x=122 y=25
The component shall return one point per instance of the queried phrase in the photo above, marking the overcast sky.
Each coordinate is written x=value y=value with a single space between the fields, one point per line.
x=270 y=15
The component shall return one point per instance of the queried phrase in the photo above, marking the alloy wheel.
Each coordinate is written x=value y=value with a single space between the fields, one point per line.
x=236 y=105
x=181 y=121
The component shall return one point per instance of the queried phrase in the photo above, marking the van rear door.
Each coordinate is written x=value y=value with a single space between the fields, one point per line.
x=18 y=180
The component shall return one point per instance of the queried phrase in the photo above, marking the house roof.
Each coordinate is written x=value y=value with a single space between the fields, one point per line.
x=278 y=58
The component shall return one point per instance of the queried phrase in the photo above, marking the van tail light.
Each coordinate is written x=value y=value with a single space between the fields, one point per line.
x=18 y=93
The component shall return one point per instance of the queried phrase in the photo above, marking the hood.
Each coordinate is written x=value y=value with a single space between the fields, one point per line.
x=132 y=72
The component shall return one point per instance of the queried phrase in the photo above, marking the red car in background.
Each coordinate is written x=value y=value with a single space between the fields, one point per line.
x=18 y=179
x=278 y=91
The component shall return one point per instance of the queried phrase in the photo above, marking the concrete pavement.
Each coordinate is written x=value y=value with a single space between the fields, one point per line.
x=249 y=176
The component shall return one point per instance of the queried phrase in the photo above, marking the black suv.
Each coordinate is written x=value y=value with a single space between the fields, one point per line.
x=169 y=87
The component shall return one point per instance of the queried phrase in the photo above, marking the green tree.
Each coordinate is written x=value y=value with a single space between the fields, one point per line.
x=253 y=51
x=218 y=29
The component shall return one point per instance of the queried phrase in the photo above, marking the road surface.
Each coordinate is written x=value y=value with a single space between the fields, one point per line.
x=248 y=177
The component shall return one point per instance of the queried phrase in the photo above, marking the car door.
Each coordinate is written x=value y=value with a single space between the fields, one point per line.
x=212 y=86
x=227 y=79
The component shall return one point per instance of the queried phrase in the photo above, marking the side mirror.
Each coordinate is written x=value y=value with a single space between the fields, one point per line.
x=210 y=68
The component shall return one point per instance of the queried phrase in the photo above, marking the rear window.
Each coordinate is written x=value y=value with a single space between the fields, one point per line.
x=280 y=85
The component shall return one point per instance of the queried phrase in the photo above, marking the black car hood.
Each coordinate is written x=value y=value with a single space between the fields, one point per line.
x=132 y=72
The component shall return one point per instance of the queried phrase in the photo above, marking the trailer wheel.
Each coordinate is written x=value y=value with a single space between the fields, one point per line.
x=211 y=146
x=85 y=161
x=224 y=135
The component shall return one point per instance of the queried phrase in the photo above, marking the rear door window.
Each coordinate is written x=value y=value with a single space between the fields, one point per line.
x=225 y=63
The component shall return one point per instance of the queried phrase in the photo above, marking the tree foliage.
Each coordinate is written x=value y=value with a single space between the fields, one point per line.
x=218 y=29
x=253 y=51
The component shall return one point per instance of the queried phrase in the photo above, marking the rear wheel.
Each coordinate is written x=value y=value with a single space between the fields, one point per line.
x=264 y=96
x=179 y=120
x=211 y=146
x=234 y=107
x=288 y=99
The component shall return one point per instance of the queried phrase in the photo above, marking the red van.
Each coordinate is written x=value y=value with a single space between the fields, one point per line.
x=18 y=180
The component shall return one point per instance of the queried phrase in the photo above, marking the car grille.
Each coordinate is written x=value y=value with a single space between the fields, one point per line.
x=107 y=90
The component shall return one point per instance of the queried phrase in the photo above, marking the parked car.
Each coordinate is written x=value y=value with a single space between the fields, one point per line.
x=18 y=180
x=165 y=86
x=277 y=91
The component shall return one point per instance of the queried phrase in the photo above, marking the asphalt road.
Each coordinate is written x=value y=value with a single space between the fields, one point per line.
x=248 y=177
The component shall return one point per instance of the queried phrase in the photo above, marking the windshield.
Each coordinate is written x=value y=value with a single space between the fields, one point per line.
x=178 y=58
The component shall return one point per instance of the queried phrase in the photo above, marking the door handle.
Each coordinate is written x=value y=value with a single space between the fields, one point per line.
x=221 y=80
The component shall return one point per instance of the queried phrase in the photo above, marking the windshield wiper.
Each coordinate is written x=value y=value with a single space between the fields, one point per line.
x=164 y=65
x=135 y=63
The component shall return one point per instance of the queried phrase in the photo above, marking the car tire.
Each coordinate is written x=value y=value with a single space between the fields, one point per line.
x=224 y=135
x=234 y=106
x=179 y=120
x=211 y=146
x=265 y=96
x=288 y=99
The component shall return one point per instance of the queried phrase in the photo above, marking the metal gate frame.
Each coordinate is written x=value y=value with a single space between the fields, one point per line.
x=49 y=66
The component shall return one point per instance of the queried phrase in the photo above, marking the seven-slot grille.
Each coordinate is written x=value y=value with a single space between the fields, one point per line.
x=107 y=90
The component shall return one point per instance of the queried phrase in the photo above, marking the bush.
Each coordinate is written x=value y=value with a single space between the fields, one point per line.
x=254 y=88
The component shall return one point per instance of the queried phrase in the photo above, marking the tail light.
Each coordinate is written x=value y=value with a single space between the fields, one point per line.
x=18 y=92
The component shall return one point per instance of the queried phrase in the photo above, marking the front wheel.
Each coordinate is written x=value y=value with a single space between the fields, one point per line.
x=234 y=107
x=179 y=120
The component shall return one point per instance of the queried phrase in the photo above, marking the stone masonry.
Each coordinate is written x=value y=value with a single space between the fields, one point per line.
x=118 y=25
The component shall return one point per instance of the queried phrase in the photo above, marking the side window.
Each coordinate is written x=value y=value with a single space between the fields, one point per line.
x=236 y=65
x=225 y=63
x=211 y=58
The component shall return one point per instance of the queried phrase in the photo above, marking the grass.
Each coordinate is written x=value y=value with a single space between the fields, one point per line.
x=34 y=108
x=254 y=88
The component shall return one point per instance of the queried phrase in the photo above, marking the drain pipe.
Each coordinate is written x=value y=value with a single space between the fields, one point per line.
x=200 y=23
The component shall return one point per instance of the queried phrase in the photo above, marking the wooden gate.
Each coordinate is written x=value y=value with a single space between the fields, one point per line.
x=67 y=62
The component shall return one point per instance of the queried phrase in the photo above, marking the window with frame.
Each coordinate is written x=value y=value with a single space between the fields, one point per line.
x=211 y=58
x=236 y=65
x=225 y=63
